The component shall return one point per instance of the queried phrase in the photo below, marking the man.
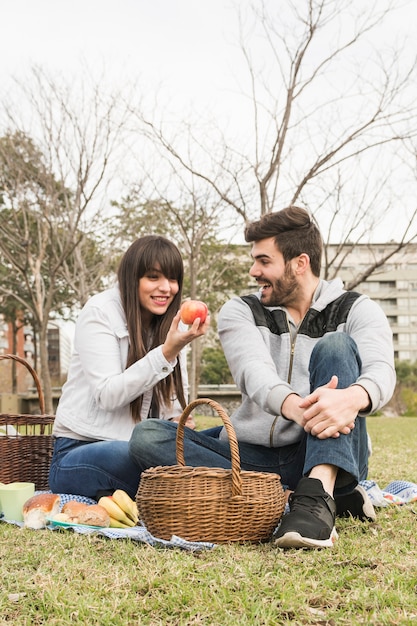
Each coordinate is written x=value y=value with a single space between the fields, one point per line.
x=311 y=361
x=314 y=361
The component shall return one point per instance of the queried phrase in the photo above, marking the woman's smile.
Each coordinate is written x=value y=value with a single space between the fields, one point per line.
x=156 y=292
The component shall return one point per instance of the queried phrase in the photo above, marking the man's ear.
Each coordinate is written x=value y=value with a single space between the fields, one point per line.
x=302 y=263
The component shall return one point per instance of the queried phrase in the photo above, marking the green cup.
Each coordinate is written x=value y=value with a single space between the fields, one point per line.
x=12 y=498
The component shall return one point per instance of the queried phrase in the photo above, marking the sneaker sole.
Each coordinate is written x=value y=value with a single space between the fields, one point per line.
x=358 y=505
x=368 y=507
x=295 y=540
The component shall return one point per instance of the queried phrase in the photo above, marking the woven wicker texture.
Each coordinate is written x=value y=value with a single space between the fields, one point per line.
x=26 y=443
x=206 y=503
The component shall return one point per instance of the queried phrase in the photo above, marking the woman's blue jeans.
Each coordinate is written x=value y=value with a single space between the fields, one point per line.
x=86 y=469
x=153 y=441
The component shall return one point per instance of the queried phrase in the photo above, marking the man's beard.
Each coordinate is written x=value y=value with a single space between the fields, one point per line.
x=283 y=292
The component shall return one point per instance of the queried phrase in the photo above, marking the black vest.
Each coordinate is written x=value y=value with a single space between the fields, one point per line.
x=315 y=323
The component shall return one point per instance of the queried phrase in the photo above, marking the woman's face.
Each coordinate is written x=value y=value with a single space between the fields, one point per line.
x=156 y=292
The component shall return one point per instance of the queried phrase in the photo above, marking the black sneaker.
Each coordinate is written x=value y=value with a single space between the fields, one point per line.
x=310 y=522
x=356 y=504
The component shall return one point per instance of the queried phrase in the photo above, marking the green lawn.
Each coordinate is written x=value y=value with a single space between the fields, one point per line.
x=369 y=577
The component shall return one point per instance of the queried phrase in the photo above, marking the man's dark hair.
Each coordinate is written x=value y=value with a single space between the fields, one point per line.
x=294 y=232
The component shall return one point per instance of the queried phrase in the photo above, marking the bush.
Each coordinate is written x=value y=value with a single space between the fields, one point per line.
x=214 y=368
x=406 y=373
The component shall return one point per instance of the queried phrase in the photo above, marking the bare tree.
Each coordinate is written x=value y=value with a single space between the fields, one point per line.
x=331 y=111
x=58 y=155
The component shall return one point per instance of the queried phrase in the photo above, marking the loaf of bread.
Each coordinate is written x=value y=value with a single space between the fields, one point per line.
x=72 y=510
x=75 y=512
x=38 y=508
x=94 y=515
x=61 y=517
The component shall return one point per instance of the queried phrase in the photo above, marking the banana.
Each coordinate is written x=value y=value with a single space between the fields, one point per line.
x=115 y=523
x=126 y=504
x=115 y=511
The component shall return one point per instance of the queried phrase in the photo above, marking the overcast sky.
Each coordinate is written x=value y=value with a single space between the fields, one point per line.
x=188 y=46
x=184 y=44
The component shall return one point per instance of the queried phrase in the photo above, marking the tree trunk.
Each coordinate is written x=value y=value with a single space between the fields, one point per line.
x=14 y=351
x=193 y=370
x=44 y=369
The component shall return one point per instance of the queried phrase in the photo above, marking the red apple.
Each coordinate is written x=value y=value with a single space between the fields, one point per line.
x=191 y=309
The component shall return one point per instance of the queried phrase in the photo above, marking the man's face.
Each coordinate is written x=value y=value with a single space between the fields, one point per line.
x=277 y=280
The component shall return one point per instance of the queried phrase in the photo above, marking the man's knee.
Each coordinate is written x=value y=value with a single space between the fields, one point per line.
x=335 y=353
x=335 y=343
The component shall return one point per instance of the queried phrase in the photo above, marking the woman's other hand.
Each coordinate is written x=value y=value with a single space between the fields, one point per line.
x=189 y=423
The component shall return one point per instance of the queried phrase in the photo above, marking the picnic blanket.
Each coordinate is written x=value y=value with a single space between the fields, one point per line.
x=398 y=492
x=136 y=533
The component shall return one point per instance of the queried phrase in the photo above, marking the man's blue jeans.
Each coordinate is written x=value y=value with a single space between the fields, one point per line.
x=153 y=441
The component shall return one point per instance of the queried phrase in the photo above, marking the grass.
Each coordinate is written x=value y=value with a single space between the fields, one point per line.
x=369 y=577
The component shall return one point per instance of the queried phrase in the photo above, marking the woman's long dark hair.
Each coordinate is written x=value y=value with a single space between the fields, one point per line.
x=144 y=255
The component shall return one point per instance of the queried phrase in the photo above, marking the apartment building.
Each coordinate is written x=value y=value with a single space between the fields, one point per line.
x=393 y=287
x=23 y=344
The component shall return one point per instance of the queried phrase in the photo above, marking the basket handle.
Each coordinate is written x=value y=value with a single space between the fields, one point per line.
x=35 y=377
x=234 y=448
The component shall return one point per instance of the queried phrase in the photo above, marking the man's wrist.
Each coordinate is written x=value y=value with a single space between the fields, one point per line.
x=364 y=401
x=286 y=406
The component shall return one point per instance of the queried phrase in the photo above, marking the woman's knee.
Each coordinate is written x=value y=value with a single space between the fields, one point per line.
x=150 y=433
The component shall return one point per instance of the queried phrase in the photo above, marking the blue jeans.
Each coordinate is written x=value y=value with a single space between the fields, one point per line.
x=85 y=468
x=153 y=441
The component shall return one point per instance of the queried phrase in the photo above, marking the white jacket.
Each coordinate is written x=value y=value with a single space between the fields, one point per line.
x=95 y=400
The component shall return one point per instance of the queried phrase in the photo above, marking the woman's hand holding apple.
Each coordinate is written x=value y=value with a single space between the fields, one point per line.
x=177 y=339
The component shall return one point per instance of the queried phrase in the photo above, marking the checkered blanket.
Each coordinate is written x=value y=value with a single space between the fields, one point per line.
x=397 y=492
x=136 y=533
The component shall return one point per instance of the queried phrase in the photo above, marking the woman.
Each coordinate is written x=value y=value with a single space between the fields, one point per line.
x=127 y=366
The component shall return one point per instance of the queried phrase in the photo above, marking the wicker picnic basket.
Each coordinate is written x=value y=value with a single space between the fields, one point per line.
x=26 y=443
x=209 y=503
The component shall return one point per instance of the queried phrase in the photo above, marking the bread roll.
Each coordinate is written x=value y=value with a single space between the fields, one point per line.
x=94 y=515
x=72 y=509
x=61 y=517
x=38 y=508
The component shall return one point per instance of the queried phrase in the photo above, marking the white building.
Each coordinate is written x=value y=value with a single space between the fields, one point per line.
x=393 y=287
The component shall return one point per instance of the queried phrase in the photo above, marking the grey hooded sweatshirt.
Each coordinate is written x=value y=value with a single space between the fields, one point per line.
x=269 y=357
